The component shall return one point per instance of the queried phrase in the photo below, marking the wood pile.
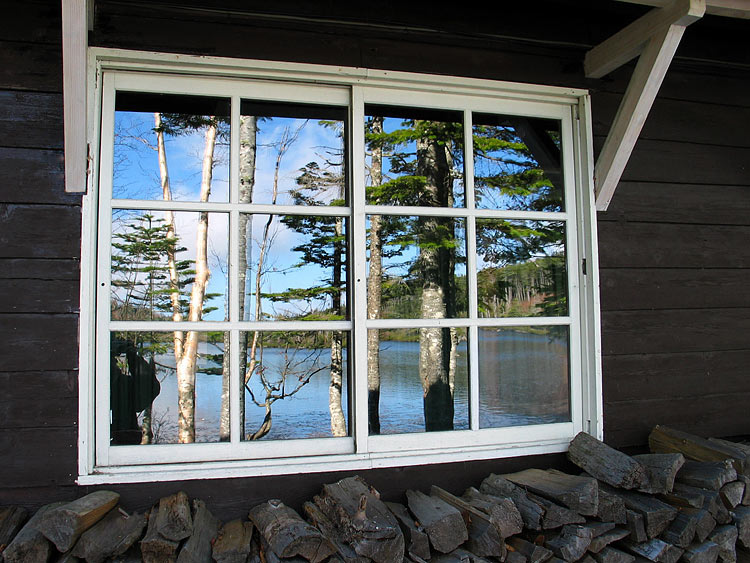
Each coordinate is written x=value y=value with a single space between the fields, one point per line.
x=686 y=501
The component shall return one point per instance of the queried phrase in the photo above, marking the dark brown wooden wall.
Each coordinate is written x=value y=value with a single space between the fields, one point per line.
x=674 y=246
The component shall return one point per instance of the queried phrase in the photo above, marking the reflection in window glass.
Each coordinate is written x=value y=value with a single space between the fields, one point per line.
x=517 y=163
x=523 y=376
x=146 y=369
x=414 y=157
x=421 y=262
x=292 y=154
x=295 y=267
x=158 y=257
x=418 y=380
x=170 y=147
x=521 y=268
x=295 y=384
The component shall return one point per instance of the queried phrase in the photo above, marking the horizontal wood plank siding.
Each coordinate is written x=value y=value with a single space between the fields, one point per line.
x=674 y=244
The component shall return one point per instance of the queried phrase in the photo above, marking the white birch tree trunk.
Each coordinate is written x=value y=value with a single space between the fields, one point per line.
x=435 y=344
x=187 y=364
x=374 y=291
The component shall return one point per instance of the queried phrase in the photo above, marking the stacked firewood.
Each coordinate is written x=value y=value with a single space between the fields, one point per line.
x=688 y=500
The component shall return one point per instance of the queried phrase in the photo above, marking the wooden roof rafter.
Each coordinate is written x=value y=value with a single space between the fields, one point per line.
x=653 y=38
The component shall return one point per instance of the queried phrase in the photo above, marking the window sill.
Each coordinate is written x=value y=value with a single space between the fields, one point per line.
x=312 y=464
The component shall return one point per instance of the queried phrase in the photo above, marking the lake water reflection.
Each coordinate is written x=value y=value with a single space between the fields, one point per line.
x=523 y=378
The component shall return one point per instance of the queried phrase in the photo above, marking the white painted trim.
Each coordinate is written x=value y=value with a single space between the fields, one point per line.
x=631 y=115
x=630 y=41
x=226 y=207
x=357 y=87
x=74 y=43
x=316 y=464
x=727 y=8
x=147 y=61
x=591 y=344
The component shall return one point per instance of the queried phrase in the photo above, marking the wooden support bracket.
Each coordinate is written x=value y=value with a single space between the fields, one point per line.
x=727 y=8
x=74 y=33
x=654 y=37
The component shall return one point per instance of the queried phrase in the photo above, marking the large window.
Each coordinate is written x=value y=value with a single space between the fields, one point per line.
x=326 y=268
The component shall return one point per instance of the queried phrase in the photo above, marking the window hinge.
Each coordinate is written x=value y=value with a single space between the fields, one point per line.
x=583 y=267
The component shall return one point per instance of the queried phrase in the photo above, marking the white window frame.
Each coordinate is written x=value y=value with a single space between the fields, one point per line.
x=99 y=463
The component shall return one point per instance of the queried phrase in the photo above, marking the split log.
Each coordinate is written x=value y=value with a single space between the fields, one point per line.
x=30 y=544
x=515 y=557
x=636 y=524
x=711 y=501
x=155 y=548
x=555 y=516
x=706 y=552
x=65 y=524
x=68 y=557
x=654 y=550
x=712 y=475
x=586 y=559
x=600 y=542
x=599 y=528
x=605 y=463
x=346 y=552
x=197 y=548
x=744 y=448
x=668 y=440
x=287 y=534
x=704 y=522
x=174 y=520
x=484 y=538
x=580 y=494
x=572 y=542
x=683 y=499
x=417 y=542
x=732 y=494
x=681 y=532
x=534 y=553
x=233 y=542
x=468 y=554
x=746 y=496
x=726 y=538
x=365 y=522
x=611 y=507
x=443 y=523
x=741 y=518
x=612 y=555
x=112 y=536
x=502 y=511
x=657 y=514
x=11 y=521
x=661 y=470
x=531 y=512
x=451 y=558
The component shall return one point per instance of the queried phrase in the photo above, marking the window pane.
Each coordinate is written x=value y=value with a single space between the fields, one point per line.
x=523 y=376
x=418 y=380
x=292 y=154
x=295 y=384
x=416 y=267
x=157 y=259
x=414 y=157
x=522 y=268
x=294 y=266
x=148 y=391
x=163 y=144
x=517 y=163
